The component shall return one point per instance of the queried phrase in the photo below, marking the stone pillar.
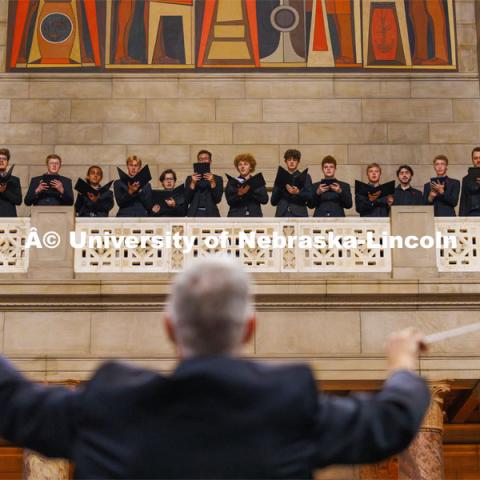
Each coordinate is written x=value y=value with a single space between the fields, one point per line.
x=413 y=263
x=52 y=263
x=424 y=458
x=386 y=470
x=37 y=467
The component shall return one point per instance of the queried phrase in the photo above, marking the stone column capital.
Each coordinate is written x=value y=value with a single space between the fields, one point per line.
x=434 y=417
x=38 y=467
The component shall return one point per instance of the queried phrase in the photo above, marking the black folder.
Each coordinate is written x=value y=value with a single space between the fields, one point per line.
x=387 y=188
x=283 y=178
x=328 y=181
x=47 y=178
x=201 y=167
x=255 y=181
x=143 y=176
x=84 y=187
x=5 y=178
x=159 y=196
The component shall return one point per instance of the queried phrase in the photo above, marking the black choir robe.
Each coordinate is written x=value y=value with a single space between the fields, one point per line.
x=84 y=207
x=136 y=205
x=50 y=196
x=248 y=205
x=366 y=208
x=330 y=203
x=289 y=205
x=409 y=196
x=470 y=197
x=444 y=205
x=10 y=198
x=203 y=200
x=179 y=210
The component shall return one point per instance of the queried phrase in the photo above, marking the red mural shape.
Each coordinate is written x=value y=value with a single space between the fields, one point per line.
x=422 y=14
x=384 y=34
x=341 y=11
x=320 y=43
x=22 y=12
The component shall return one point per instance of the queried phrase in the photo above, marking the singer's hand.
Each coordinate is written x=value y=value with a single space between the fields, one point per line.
x=322 y=188
x=133 y=188
x=374 y=196
x=58 y=185
x=93 y=197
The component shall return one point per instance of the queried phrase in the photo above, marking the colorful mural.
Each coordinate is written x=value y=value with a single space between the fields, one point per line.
x=192 y=35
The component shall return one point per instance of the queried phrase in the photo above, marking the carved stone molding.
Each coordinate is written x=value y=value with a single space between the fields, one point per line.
x=263 y=302
x=235 y=238
x=14 y=257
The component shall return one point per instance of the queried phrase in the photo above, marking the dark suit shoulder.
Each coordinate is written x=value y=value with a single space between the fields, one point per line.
x=118 y=374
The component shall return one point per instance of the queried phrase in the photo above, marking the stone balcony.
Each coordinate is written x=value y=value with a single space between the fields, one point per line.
x=263 y=245
x=64 y=310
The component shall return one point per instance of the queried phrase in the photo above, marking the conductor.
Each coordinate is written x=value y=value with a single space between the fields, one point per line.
x=216 y=415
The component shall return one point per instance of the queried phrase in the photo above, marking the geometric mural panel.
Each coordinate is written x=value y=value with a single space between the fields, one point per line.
x=246 y=35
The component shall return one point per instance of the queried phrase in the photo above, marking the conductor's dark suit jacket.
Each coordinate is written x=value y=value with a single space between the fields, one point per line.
x=50 y=196
x=202 y=202
x=289 y=205
x=214 y=417
x=444 y=205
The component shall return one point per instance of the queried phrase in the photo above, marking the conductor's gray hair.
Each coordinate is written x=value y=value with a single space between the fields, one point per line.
x=209 y=306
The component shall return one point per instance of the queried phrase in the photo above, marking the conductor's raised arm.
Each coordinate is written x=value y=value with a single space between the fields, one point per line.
x=367 y=428
x=216 y=415
x=35 y=416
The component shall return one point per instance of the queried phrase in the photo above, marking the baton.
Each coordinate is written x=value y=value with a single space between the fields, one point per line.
x=454 y=332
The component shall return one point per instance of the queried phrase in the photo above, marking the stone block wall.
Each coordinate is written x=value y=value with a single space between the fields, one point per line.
x=53 y=346
x=390 y=118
